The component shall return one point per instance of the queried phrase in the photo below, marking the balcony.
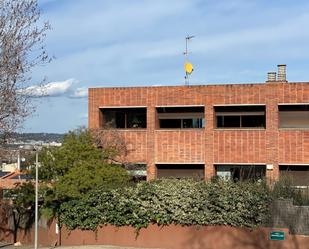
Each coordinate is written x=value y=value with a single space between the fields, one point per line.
x=185 y=117
x=240 y=117
x=239 y=172
x=293 y=116
x=180 y=171
x=124 y=118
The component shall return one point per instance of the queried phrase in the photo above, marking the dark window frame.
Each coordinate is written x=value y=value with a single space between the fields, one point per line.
x=295 y=173
x=253 y=116
x=123 y=117
x=169 y=168
x=299 y=112
x=241 y=172
x=187 y=117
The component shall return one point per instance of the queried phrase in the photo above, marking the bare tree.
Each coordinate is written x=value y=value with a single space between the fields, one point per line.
x=112 y=143
x=22 y=48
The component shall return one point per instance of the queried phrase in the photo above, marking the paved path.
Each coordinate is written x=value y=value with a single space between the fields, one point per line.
x=73 y=247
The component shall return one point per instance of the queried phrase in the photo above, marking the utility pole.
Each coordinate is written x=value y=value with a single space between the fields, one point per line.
x=18 y=163
x=36 y=198
x=187 y=66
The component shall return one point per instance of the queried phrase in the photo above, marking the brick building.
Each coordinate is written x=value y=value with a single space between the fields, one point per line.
x=231 y=130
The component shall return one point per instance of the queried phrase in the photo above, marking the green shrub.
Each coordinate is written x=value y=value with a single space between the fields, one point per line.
x=171 y=201
x=86 y=176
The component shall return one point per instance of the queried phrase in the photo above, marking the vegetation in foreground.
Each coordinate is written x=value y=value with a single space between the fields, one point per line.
x=170 y=201
x=81 y=188
x=66 y=173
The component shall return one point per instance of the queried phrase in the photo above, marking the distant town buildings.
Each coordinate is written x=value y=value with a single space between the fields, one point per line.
x=15 y=156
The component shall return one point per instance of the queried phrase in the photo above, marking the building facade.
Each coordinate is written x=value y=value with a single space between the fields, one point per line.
x=231 y=130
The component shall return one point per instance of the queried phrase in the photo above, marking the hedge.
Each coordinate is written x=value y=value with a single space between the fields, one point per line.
x=171 y=201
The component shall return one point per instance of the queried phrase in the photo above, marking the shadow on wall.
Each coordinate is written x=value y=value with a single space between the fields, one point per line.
x=13 y=225
x=221 y=237
x=6 y=233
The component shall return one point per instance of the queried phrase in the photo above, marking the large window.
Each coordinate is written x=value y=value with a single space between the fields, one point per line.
x=241 y=172
x=124 y=118
x=240 y=116
x=180 y=170
x=293 y=116
x=298 y=174
x=180 y=117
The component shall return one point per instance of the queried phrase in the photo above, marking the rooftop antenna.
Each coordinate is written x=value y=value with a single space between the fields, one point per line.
x=187 y=66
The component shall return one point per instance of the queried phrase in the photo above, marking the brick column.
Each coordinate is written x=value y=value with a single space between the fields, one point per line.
x=209 y=118
x=151 y=123
x=272 y=141
x=95 y=119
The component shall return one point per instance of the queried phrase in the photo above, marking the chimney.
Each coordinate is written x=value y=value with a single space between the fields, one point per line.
x=282 y=72
x=271 y=76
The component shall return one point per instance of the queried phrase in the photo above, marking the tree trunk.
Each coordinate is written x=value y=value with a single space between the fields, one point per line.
x=16 y=225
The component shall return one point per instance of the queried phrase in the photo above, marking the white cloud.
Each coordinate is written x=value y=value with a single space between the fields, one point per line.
x=139 y=42
x=52 y=89
x=81 y=92
x=55 y=89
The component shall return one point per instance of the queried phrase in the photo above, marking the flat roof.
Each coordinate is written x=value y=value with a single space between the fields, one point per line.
x=201 y=85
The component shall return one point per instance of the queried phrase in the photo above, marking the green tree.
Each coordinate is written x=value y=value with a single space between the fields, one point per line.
x=77 y=147
x=87 y=176
x=75 y=169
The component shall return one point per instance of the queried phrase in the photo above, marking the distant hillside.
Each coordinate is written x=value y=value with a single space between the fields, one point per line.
x=45 y=137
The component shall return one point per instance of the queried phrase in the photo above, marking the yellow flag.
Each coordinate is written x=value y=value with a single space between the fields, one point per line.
x=188 y=68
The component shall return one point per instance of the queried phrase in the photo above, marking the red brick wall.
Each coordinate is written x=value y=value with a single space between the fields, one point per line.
x=293 y=146
x=244 y=146
x=136 y=144
x=210 y=145
x=179 y=146
x=183 y=237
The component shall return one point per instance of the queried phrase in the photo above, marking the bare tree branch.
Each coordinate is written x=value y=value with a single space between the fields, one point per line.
x=21 y=49
x=113 y=145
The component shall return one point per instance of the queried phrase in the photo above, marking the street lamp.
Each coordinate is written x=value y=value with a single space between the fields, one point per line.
x=36 y=212
x=36 y=198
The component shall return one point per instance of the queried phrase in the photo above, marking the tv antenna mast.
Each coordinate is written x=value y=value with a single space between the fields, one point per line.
x=187 y=66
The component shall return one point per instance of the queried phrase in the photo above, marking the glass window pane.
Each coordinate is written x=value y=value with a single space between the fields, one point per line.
x=253 y=121
x=228 y=121
x=170 y=123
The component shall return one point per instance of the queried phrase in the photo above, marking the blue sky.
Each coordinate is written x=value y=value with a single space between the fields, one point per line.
x=138 y=42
